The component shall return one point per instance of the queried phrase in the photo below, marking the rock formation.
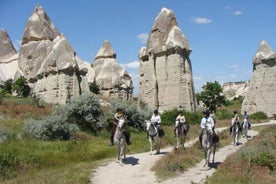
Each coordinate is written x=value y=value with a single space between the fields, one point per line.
x=233 y=90
x=8 y=58
x=48 y=61
x=166 y=80
x=112 y=79
x=261 y=95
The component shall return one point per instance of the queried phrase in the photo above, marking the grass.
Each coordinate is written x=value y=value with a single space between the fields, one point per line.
x=253 y=163
x=33 y=161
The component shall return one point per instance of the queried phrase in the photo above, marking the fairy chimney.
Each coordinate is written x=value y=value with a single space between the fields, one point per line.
x=261 y=95
x=165 y=80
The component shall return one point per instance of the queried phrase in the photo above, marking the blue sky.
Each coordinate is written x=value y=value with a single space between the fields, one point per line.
x=224 y=34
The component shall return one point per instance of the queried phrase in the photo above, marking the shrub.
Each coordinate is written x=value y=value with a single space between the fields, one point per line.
x=94 y=88
x=21 y=87
x=85 y=111
x=168 y=117
x=52 y=128
x=258 y=116
x=8 y=165
x=6 y=134
x=136 y=115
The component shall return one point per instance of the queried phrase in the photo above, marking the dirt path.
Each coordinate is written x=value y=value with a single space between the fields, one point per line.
x=137 y=167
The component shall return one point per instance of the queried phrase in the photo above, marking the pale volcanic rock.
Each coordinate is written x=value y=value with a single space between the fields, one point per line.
x=165 y=80
x=8 y=58
x=113 y=80
x=50 y=64
x=261 y=94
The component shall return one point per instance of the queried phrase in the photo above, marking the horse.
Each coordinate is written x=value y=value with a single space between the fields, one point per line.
x=235 y=131
x=154 y=136
x=208 y=143
x=245 y=127
x=120 y=140
x=181 y=133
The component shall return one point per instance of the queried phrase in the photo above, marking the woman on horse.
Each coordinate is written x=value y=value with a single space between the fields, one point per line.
x=181 y=119
x=235 y=119
x=156 y=120
x=117 y=116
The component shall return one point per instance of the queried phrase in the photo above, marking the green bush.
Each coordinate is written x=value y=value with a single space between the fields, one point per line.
x=21 y=87
x=94 y=88
x=6 y=134
x=52 y=128
x=168 y=117
x=85 y=111
x=135 y=114
x=8 y=165
x=258 y=116
x=223 y=114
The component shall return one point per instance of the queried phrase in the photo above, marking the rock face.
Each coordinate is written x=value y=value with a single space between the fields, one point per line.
x=165 y=80
x=112 y=79
x=8 y=58
x=233 y=90
x=261 y=95
x=48 y=61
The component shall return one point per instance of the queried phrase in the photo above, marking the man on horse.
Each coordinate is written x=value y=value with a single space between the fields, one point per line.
x=207 y=119
x=117 y=116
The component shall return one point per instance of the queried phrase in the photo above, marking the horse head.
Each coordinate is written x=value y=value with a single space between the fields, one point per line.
x=121 y=122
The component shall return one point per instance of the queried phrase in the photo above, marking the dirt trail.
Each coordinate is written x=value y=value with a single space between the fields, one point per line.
x=137 y=167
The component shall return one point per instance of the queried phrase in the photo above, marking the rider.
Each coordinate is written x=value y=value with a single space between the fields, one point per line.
x=155 y=119
x=235 y=119
x=181 y=119
x=204 y=120
x=117 y=116
x=246 y=116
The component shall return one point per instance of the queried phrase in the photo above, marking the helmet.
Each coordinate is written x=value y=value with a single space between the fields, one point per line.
x=119 y=110
x=155 y=111
x=235 y=111
x=207 y=112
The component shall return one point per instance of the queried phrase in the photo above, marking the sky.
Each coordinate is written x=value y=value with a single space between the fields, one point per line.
x=224 y=35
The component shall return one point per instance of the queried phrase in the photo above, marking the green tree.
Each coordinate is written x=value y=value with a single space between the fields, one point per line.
x=211 y=95
x=94 y=88
x=21 y=87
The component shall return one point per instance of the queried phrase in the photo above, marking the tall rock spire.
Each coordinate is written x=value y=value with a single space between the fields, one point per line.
x=165 y=80
x=6 y=47
x=49 y=62
x=39 y=27
x=261 y=96
x=8 y=58
x=113 y=80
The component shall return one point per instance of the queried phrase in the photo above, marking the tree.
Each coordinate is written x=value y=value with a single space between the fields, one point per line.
x=21 y=87
x=211 y=95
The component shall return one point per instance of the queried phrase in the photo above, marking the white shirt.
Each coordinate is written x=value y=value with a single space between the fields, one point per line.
x=155 y=119
x=205 y=119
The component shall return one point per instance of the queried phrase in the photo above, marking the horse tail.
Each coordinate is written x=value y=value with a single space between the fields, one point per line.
x=161 y=132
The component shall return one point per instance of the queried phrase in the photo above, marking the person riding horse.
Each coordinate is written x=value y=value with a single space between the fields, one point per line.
x=235 y=119
x=180 y=119
x=156 y=120
x=207 y=119
x=117 y=116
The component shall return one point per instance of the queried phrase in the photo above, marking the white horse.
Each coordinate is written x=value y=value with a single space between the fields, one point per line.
x=245 y=127
x=153 y=137
x=120 y=140
x=235 y=131
x=208 y=144
x=181 y=133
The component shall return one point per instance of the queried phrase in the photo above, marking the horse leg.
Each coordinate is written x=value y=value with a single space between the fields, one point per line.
x=150 y=142
x=214 y=152
x=177 y=142
x=206 y=160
